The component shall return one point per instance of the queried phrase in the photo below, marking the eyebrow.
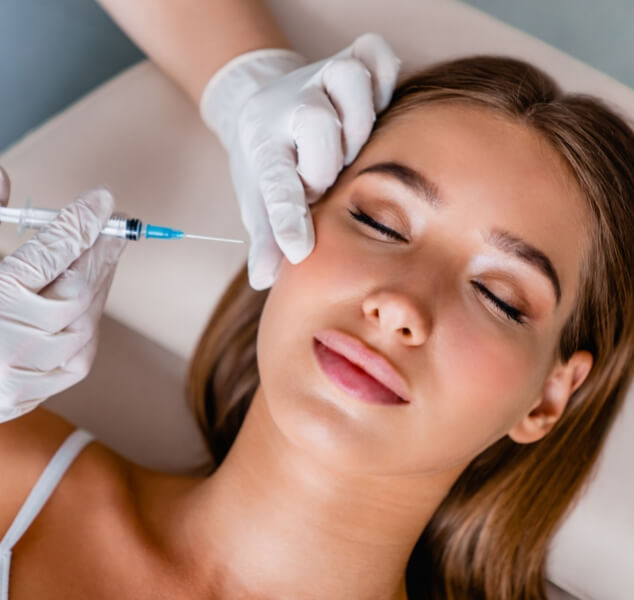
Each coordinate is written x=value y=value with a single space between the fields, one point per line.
x=413 y=179
x=511 y=244
x=499 y=238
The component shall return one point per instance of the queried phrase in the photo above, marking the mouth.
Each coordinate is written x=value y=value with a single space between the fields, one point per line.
x=359 y=371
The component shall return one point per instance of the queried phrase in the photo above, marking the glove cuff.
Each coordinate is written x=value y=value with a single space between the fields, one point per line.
x=230 y=87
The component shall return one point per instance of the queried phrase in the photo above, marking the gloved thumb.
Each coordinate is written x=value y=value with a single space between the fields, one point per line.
x=50 y=252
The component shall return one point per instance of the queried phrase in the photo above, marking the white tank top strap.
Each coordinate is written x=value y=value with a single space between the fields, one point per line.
x=41 y=492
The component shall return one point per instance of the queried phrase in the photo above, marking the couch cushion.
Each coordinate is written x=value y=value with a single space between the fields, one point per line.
x=133 y=400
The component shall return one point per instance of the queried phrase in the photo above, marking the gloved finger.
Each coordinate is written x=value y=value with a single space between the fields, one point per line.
x=8 y=413
x=316 y=130
x=264 y=262
x=49 y=351
x=39 y=385
x=264 y=253
x=79 y=365
x=89 y=320
x=5 y=187
x=88 y=271
x=68 y=296
x=383 y=64
x=285 y=202
x=349 y=86
x=47 y=254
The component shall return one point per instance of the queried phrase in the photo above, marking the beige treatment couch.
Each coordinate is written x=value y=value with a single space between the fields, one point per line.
x=140 y=136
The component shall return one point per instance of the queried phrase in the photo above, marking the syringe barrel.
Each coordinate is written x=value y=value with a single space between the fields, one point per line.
x=28 y=217
x=37 y=218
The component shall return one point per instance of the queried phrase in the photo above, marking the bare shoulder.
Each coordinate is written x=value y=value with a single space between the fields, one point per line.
x=27 y=445
x=97 y=505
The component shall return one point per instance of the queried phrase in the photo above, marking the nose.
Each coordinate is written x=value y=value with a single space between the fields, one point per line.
x=398 y=315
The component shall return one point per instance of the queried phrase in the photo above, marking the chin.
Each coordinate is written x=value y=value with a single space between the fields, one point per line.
x=318 y=428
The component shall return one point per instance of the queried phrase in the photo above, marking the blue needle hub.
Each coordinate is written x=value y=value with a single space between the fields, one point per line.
x=154 y=231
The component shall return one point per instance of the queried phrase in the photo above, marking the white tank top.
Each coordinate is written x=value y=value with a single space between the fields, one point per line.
x=41 y=492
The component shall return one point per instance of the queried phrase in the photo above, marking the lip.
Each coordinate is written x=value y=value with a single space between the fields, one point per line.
x=374 y=365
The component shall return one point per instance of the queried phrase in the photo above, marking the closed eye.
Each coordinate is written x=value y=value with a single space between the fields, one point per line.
x=506 y=309
x=367 y=220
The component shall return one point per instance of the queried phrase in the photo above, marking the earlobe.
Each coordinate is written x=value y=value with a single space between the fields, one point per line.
x=563 y=380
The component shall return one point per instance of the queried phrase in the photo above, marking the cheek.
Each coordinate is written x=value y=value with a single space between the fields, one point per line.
x=484 y=383
x=327 y=273
x=490 y=366
x=302 y=295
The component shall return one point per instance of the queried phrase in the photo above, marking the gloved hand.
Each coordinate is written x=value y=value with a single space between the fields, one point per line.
x=52 y=292
x=280 y=119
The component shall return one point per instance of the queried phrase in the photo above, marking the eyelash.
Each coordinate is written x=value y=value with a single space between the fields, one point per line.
x=507 y=310
x=367 y=220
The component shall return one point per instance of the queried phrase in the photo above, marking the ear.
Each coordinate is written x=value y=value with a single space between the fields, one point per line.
x=563 y=380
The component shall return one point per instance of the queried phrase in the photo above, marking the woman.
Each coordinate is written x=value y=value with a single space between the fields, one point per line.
x=476 y=258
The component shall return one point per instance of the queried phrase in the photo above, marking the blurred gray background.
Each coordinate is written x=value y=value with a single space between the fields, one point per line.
x=52 y=53
x=599 y=33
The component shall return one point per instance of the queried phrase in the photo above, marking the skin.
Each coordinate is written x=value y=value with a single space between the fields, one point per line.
x=191 y=39
x=322 y=495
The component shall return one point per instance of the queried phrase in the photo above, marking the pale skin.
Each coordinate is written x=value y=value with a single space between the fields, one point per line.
x=191 y=39
x=322 y=495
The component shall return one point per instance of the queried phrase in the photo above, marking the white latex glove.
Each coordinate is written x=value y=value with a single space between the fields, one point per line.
x=280 y=119
x=52 y=292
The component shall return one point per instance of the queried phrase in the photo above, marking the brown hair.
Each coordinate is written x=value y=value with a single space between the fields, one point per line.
x=489 y=537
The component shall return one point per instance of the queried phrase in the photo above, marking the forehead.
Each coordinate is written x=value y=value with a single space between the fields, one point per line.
x=498 y=172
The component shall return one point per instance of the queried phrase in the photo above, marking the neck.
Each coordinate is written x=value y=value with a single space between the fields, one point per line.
x=274 y=523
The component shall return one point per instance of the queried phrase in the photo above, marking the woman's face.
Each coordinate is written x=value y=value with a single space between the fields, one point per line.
x=424 y=300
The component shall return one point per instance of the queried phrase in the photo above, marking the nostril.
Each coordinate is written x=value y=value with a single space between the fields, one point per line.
x=407 y=332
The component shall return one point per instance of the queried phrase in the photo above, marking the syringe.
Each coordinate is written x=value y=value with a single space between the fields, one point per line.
x=117 y=226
